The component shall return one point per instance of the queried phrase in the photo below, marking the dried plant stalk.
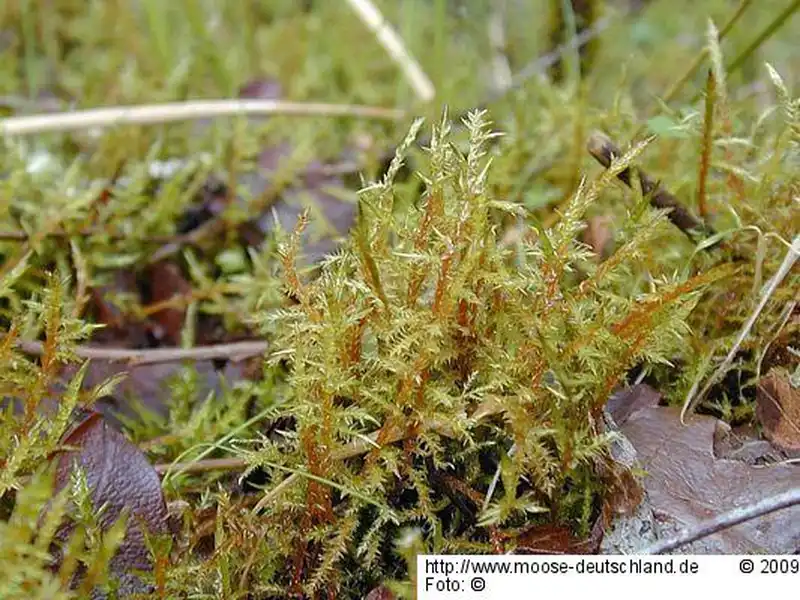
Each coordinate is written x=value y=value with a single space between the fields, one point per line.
x=705 y=154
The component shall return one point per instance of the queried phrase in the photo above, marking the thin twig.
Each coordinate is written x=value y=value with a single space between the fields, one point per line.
x=277 y=491
x=236 y=351
x=206 y=231
x=726 y=521
x=575 y=44
x=152 y=114
x=203 y=466
x=354 y=448
x=604 y=151
x=171 y=470
x=394 y=46
x=544 y=62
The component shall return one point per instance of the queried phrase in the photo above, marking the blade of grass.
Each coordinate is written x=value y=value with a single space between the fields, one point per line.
x=706 y=146
x=572 y=57
x=677 y=86
x=779 y=20
x=176 y=468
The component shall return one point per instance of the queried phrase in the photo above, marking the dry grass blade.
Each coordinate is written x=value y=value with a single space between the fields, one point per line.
x=392 y=43
x=235 y=351
x=779 y=20
x=154 y=114
x=769 y=290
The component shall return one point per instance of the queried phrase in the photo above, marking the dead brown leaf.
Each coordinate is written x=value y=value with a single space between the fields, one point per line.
x=121 y=327
x=778 y=410
x=148 y=384
x=262 y=89
x=686 y=484
x=119 y=478
x=324 y=194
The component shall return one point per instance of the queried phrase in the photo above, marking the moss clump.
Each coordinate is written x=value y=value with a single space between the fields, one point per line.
x=426 y=357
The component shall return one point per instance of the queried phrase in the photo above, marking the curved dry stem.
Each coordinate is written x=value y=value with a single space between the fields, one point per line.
x=235 y=351
x=154 y=114
x=727 y=520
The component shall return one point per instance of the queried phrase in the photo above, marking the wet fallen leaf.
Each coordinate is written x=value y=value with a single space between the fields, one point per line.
x=312 y=187
x=119 y=478
x=625 y=402
x=778 y=410
x=687 y=484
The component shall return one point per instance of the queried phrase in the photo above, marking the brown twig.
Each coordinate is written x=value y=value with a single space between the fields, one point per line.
x=604 y=151
x=236 y=351
x=727 y=520
x=203 y=466
x=354 y=448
